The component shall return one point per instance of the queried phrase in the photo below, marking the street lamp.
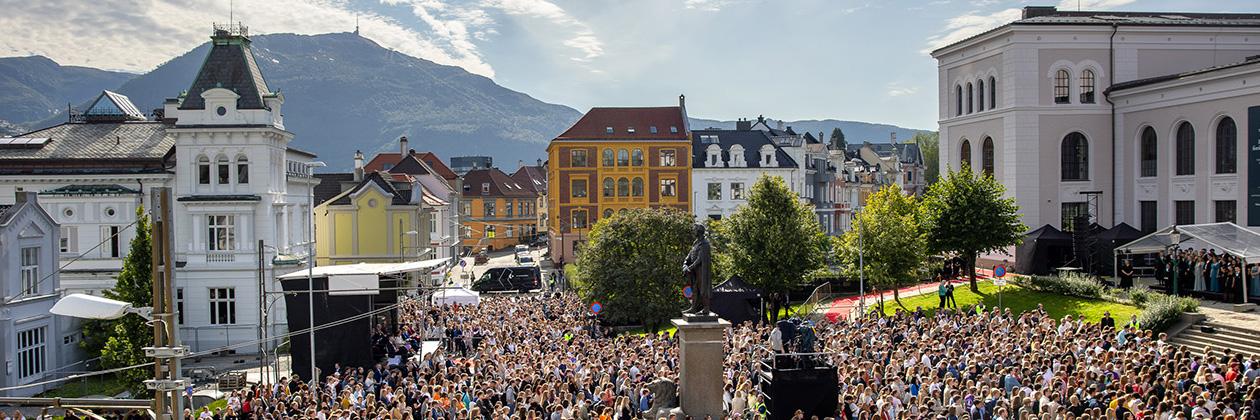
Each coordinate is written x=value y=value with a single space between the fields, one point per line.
x=310 y=274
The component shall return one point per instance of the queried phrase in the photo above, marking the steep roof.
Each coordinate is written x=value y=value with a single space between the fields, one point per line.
x=1255 y=59
x=501 y=185
x=396 y=160
x=750 y=140
x=330 y=185
x=533 y=178
x=111 y=106
x=379 y=161
x=98 y=147
x=616 y=124
x=230 y=65
x=374 y=178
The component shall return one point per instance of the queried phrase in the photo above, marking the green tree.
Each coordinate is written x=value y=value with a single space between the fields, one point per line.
x=968 y=214
x=120 y=342
x=837 y=139
x=888 y=239
x=929 y=146
x=773 y=241
x=632 y=265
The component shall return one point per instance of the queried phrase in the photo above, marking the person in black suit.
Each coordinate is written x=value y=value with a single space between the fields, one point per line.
x=1107 y=321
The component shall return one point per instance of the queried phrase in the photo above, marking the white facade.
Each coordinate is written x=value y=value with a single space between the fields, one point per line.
x=726 y=164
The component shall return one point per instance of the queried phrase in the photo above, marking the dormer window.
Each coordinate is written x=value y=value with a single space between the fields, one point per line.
x=652 y=129
x=673 y=129
x=767 y=156
x=608 y=130
x=485 y=188
x=737 y=156
x=714 y=154
x=630 y=130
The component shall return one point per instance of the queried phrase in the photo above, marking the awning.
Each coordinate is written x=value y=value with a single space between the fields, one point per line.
x=1224 y=237
x=380 y=269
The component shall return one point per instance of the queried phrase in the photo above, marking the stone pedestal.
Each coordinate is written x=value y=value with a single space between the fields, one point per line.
x=700 y=353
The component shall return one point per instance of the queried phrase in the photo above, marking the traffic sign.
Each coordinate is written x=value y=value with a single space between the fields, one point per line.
x=999 y=281
x=596 y=307
x=463 y=263
x=687 y=292
x=999 y=271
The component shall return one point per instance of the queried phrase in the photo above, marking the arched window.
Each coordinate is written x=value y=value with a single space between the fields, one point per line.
x=992 y=92
x=1075 y=157
x=986 y=155
x=223 y=170
x=623 y=187
x=242 y=169
x=714 y=153
x=203 y=170
x=636 y=157
x=608 y=213
x=1185 y=149
x=971 y=98
x=623 y=157
x=608 y=187
x=958 y=95
x=608 y=157
x=965 y=154
x=980 y=95
x=1061 y=89
x=1087 y=87
x=636 y=187
x=1226 y=146
x=1149 y=152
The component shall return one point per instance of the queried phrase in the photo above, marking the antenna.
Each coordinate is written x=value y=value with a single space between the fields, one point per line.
x=231 y=11
x=356 y=23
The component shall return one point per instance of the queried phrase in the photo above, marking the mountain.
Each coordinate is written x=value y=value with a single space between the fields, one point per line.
x=33 y=88
x=854 y=131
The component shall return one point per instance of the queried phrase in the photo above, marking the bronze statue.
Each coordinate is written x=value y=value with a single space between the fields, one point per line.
x=697 y=267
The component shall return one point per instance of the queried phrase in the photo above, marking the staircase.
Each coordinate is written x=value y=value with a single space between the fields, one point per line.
x=1239 y=340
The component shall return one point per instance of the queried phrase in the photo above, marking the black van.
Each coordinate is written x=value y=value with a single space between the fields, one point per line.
x=500 y=279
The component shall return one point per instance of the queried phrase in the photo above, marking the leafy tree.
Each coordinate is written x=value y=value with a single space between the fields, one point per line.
x=632 y=265
x=120 y=342
x=968 y=214
x=773 y=241
x=890 y=240
x=837 y=139
x=929 y=146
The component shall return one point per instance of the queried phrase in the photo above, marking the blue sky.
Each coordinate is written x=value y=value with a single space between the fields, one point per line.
x=787 y=59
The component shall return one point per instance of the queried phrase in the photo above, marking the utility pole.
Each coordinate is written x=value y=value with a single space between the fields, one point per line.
x=262 y=304
x=167 y=350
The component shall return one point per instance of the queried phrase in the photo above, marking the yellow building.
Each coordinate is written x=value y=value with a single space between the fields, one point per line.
x=499 y=212
x=374 y=220
x=614 y=159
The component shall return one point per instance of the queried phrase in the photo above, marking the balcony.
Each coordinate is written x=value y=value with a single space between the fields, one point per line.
x=220 y=257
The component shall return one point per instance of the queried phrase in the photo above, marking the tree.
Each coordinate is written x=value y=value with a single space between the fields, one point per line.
x=890 y=240
x=120 y=342
x=632 y=265
x=773 y=241
x=929 y=147
x=967 y=214
x=837 y=139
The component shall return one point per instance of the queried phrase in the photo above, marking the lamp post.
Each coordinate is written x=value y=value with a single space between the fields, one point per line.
x=310 y=274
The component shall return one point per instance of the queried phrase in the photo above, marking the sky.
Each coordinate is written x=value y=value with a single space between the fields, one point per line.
x=863 y=60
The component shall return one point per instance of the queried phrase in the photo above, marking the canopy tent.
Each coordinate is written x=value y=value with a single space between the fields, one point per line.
x=736 y=301
x=1111 y=239
x=1223 y=237
x=1042 y=250
x=362 y=278
x=456 y=295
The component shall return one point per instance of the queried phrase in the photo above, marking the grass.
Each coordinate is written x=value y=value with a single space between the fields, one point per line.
x=1020 y=300
x=107 y=385
x=213 y=407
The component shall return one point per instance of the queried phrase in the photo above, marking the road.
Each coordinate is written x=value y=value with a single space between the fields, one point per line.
x=504 y=258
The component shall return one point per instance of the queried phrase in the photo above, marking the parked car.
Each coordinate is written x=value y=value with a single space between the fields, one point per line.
x=501 y=279
x=525 y=259
x=522 y=248
x=481 y=258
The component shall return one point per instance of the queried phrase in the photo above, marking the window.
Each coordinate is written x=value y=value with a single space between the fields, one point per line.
x=1061 y=78
x=636 y=187
x=965 y=154
x=1149 y=152
x=669 y=188
x=958 y=100
x=222 y=232
x=32 y=350
x=623 y=187
x=242 y=170
x=636 y=156
x=971 y=99
x=1075 y=157
x=489 y=233
x=578 y=187
x=203 y=170
x=992 y=92
x=488 y=208
x=608 y=213
x=223 y=170
x=609 y=188
x=715 y=156
x=673 y=129
x=667 y=157
x=1075 y=215
x=1226 y=147
x=69 y=239
x=608 y=157
x=1149 y=210
x=986 y=156
x=715 y=191
x=737 y=190
x=630 y=130
x=623 y=157
x=223 y=306
x=1087 y=87
x=579 y=219
x=980 y=95
x=507 y=208
x=737 y=156
x=179 y=304
x=577 y=158
x=1185 y=212
x=608 y=130
x=509 y=231
x=652 y=129
x=1226 y=211
x=1185 y=149
x=485 y=188
x=30 y=271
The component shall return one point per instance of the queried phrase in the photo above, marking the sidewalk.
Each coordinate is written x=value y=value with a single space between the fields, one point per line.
x=840 y=308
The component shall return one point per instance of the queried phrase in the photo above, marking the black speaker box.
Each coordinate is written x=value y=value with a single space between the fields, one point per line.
x=813 y=390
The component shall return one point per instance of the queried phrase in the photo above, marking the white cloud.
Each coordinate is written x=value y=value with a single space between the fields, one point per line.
x=706 y=5
x=962 y=27
x=462 y=22
x=581 y=37
x=897 y=89
x=1092 y=4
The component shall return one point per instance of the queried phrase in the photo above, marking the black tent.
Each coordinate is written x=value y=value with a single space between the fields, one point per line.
x=736 y=301
x=1111 y=239
x=1043 y=249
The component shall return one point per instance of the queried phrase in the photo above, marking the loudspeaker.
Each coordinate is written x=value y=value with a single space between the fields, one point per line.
x=1207 y=329
x=814 y=390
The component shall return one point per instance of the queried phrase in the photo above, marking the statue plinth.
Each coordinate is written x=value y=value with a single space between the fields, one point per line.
x=701 y=341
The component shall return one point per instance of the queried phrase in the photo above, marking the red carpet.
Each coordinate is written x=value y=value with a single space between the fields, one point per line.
x=840 y=308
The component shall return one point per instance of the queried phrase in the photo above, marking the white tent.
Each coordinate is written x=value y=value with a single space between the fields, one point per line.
x=1223 y=237
x=453 y=295
x=363 y=278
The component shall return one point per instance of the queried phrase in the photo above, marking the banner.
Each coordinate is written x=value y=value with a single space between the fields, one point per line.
x=1253 y=166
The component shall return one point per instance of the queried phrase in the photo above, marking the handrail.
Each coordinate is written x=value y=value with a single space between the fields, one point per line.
x=807 y=309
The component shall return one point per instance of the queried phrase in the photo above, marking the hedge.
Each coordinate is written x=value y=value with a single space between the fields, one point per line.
x=1159 y=311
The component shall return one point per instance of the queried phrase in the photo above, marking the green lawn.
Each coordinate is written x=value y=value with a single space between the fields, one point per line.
x=213 y=407
x=1020 y=300
x=107 y=385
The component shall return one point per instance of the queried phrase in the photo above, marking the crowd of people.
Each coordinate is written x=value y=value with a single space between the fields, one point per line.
x=1204 y=272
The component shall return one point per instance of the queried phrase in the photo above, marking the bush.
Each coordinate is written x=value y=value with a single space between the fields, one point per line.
x=1162 y=311
x=1071 y=284
x=1140 y=295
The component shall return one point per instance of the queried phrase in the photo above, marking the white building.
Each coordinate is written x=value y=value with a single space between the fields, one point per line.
x=1026 y=101
x=725 y=165
x=815 y=178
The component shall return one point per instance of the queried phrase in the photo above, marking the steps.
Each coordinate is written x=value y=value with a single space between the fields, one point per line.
x=1239 y=340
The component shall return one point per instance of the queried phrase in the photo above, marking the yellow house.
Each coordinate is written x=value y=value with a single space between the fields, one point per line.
x=374 y=221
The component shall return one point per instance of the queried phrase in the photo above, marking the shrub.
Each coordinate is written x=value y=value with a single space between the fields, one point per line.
x=1162 y=311
x=1072 y=284
x=1141 y=294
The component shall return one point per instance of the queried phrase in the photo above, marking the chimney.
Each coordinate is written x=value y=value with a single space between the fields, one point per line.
x=26 y=196
x=743 y=124
x=1038 y=11
x=779 y=124
x=402 y=145
x=892 y=137
x=682 y=101
x=539 y=163
x=358 y=166
x=520 y=164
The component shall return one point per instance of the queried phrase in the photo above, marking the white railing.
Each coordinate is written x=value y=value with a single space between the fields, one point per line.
x=220 y=256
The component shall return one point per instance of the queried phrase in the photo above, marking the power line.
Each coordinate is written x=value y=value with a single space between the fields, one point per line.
x=67 y=264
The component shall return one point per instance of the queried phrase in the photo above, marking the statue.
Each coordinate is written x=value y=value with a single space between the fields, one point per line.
x=697 y=267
